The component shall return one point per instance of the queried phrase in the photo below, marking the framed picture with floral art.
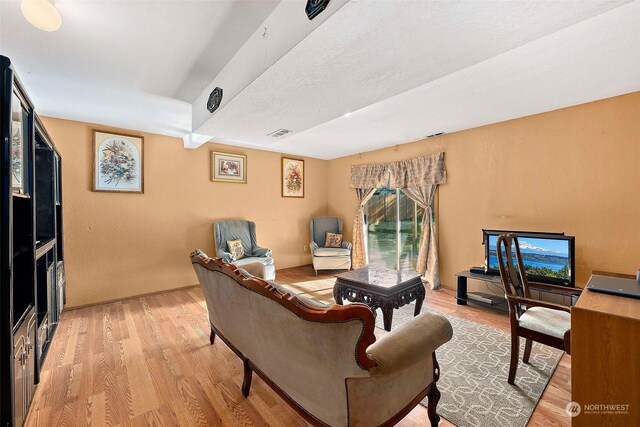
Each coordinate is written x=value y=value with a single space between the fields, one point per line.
x=227 y=167
x=292 y=177
x=118 y=162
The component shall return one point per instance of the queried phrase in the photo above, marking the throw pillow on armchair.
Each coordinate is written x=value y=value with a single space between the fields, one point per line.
x=235 y=249
x=333 y=240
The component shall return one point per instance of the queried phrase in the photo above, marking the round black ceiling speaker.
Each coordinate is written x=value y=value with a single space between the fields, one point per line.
x=215 y=98
x=314 y=7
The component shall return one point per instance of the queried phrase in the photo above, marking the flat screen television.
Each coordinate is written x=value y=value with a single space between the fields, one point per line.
x=547 y=257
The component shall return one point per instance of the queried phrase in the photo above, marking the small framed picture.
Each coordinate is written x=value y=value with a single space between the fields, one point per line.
x=118 y=162
x=292 y=177
x=227 y=167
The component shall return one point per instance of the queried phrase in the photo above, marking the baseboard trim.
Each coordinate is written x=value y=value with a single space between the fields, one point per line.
x=295 y=266
x=111 y=301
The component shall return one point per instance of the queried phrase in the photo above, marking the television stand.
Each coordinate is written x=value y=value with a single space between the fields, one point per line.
x=485 y=298
x=462 y=296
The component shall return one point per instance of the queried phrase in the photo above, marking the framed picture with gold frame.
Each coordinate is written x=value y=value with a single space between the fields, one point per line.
x=228 y=167
x=292 y=177
x=118 y=162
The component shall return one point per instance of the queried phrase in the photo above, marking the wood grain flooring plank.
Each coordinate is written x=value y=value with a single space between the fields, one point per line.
x=193 y=398
x=71 y=338
x=143 y=393
x=215 y=396
x=164 y=380
x=67 y=414
x=95 y=410
x=159 y=417
x=38 y=418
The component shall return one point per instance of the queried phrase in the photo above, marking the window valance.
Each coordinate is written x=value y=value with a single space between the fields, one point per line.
x=418 y=172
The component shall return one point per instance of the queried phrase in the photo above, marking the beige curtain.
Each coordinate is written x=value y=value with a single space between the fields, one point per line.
x=418 y=178
x=428 y=264
x=359 y=249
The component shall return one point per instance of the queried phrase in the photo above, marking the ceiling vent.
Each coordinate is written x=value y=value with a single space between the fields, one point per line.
x=278 y=133
x=435 y=135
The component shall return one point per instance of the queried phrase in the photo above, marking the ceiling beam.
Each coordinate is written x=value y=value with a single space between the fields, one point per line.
x=281 y=31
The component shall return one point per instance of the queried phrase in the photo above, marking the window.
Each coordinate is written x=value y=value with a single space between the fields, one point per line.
x=393 y=223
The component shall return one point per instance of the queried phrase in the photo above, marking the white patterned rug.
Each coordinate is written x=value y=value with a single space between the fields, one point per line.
x=474 y=367
x=473 y=379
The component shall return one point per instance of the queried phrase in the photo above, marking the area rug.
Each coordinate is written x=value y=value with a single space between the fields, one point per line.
x=320 y=290
x=474 y=367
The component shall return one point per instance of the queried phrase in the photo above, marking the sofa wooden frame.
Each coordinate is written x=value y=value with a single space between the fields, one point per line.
x=331 y=314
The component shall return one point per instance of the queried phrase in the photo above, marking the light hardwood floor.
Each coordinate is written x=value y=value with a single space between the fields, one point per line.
x=147 y=361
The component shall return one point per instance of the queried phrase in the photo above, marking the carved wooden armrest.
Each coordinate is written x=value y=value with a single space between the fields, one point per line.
x=201 y=255
x=537 y=303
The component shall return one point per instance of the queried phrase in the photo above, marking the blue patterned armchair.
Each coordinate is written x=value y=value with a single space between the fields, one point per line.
x=328 y=258
x=245 y=231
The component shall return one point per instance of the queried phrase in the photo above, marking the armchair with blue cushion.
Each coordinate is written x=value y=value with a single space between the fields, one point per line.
x=245 y=231
x=328 y=258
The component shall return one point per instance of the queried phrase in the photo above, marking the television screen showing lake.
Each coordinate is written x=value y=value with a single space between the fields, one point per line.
x=541 y=257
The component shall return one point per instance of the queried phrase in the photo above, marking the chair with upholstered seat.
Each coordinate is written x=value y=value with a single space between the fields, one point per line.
x=328 y=258
x=245 y=231
x=531 y=319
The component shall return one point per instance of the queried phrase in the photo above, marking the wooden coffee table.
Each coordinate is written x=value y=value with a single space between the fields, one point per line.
x=380 y=288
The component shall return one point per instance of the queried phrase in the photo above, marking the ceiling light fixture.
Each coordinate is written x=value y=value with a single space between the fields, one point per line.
x=347 y=115
x=42 y=14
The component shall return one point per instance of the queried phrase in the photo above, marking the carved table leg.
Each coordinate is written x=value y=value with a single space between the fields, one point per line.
x=420 y=294
x=434 y=395
x=387 y=316
x=337 y=293
x=246 y=382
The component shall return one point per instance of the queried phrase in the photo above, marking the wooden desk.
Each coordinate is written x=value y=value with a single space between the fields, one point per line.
x=605 y=358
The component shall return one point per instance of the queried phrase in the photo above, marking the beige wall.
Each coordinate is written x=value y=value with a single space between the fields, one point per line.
x=119 y=245
x=575 y=170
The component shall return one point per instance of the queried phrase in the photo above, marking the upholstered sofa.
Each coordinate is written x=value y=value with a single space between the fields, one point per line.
x=245 y=231
x=328 y=258
x=324 y=360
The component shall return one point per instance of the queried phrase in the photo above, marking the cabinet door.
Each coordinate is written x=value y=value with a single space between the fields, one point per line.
x=30 y=369
x=19 y=364
x=43 y=335
x=21 y=139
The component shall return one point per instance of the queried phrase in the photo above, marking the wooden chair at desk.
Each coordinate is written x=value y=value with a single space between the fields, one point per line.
x=531 y=319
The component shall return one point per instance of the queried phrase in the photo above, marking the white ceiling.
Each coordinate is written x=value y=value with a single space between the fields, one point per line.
x=133 y=64
x=405 y=69
x=595 y=59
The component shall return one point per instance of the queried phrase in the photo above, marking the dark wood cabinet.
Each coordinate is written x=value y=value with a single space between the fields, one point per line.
x=24 y=367
x=32 y=276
